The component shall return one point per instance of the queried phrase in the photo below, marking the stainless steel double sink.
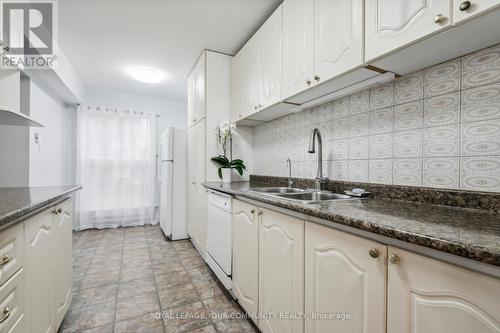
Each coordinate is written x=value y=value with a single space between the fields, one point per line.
x=309 y=196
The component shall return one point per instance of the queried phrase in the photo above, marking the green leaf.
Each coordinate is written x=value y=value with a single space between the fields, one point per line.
x=219 y=171
x=239 y=169
x=223 y=162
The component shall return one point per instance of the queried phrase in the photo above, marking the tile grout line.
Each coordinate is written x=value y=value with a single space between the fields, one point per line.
x=154 y=281
x=119 y=280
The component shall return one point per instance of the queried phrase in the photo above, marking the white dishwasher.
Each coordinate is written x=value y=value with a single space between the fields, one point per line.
x=219 y=236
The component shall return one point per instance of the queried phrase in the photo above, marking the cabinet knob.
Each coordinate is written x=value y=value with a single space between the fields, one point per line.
x=394 y=259
x=260 y=213
x=373 y=253
x=317 y=78
x=308 y=82
x=5 y=259
x=252 y=211
x=260 y=106
x=255 y=107
x=59 y=211
x=6 y=314
x=464 y=6
x=439 y=18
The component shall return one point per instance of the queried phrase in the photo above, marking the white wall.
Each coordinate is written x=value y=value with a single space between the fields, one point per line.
x=52 y=161
x=172 y=112
x=14 y=156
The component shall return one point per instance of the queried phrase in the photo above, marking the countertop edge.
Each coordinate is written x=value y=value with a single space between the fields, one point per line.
x=476 y=253
x=18 y=215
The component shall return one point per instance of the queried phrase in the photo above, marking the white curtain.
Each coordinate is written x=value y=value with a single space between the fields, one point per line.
x=116 y=165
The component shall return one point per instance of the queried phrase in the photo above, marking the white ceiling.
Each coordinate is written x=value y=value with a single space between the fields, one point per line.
x=103 y=38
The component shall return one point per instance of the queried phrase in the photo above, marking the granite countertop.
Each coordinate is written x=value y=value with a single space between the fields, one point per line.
x=469 y=233
x=17 y=202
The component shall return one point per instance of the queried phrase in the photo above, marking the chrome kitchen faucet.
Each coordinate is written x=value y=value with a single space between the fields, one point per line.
x=320 y=180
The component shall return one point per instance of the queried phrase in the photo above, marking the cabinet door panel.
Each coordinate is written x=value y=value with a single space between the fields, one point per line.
x=237 y=109
x=199 y=89
x=341 y=277
x=190 y=101
x=245 y=256
x=297 y=46
x=269 y=37
x=200 y=218
x=281 y=271
x=430 y=296
x=476 y=8
x=391 y=25
x=250 y=74
x=62 y=235
x=338 y=37
x=39 y=273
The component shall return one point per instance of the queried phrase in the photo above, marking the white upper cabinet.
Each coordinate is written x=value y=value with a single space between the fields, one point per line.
x=196 y=92
x=322 y=39
x=429 y=296
x=269 y=37
x=338 y=37
x=298 y=35
x=250 y=76
x=464 y=9
x=391 y=25
x=344 y=274
x=236 y=110
x=256 y=70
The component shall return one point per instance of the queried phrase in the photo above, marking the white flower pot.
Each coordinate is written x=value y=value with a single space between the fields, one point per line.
x=226 y=175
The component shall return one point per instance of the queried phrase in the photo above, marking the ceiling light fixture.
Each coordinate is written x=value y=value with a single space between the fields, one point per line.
x=147 y=75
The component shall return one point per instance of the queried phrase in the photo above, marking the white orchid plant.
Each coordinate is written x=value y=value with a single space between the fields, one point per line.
x=224 y=134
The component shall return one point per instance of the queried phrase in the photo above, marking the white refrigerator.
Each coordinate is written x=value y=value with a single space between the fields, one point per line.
x=173 y=183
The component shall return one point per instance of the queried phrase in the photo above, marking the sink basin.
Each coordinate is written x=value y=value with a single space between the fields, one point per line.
x=275 y=190
x=309 y=196
x=313 y=197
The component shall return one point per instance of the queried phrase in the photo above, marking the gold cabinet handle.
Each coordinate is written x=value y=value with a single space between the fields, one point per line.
x=317 y=78
x=260 y=213
x=6 y=314
x=308 y=82
x=252 y=211
x=394 y=259
x=373 y=253
x=5 y=259
x=439 y=18
x=57 y=211
x=464 y=6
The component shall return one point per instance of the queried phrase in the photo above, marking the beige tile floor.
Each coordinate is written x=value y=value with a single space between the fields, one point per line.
x=122 y=276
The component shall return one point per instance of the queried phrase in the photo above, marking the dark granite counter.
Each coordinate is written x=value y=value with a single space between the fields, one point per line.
x=18 y=202
x=469 y=233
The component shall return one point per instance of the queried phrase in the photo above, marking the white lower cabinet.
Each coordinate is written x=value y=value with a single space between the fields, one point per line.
x=350 y=284
x=281 y=272
x=39 y=273
x=48 y=268
x=344 y=282
x=12 y=304
x=63 y=263
x=429 y=296
x=246 y=256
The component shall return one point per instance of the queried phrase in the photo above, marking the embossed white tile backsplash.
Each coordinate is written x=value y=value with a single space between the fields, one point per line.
x=439 y=127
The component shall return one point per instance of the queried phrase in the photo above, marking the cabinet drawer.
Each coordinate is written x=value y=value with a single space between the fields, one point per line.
x=12 y=303
x=11 y=252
